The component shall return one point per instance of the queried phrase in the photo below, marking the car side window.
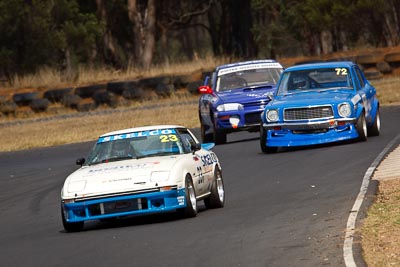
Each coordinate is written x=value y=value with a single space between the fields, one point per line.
x=187 y=140
x=360 y=78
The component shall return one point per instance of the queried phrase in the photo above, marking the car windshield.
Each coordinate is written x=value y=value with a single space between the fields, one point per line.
x=135 y=145
x=248 y=76
x=315 y=80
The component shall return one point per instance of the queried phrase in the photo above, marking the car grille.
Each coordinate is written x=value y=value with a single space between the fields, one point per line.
x=254 y=104
x=308 y=113
x=251 y=118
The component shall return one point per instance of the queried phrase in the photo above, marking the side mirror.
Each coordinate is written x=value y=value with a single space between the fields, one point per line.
x=195 y=147
x=80 y=161
x=205 y=89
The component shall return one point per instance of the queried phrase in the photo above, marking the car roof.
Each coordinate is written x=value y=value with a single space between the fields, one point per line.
x=332 y=64
x=230 y=65
x=143 y=128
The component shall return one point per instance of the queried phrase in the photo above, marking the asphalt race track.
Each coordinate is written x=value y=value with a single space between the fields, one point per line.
x=284 y=209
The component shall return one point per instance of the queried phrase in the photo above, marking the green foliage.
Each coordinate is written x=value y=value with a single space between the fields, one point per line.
x=39 y=33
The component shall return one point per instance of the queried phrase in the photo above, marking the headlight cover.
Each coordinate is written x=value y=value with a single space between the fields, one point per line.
x=344 y=110
x=161 y=176
x=230 y=107
x=272 y=115
x=74 y=187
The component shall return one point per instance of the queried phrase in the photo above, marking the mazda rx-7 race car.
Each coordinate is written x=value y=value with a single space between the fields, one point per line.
x=141 y=171
x=233 y=98
x=320 y=103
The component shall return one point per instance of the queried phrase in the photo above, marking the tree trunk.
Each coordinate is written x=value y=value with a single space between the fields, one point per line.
x=108 y=39
x=326 y=42
x=143 y=17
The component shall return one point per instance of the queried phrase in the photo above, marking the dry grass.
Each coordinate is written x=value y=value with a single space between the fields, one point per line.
x=85 y=127
x=50 y=78
x=388 y=90
x=381 y=229
x=80 y=127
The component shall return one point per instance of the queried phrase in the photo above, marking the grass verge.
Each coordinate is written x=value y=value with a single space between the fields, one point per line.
x=381 y=228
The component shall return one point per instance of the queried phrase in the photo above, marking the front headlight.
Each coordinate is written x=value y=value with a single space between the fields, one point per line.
x=272 y=115
x=344 y=110
x=74 y=187
x=157 y=177
x=230 y=107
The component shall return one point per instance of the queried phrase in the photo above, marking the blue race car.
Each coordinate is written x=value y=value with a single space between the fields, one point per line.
x=233 y=98
x=320 y=103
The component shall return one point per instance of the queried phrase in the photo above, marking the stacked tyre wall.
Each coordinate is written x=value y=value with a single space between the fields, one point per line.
x=111 y=94
x=115 y=93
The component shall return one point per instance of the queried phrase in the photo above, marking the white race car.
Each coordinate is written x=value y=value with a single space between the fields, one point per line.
x=141 y=171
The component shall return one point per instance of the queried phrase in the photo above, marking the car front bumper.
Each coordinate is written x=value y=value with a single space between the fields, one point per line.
x=117 y=206
x=241 y=120
x=314 y=133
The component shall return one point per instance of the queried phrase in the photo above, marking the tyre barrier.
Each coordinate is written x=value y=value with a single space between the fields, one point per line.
x=372 y=74
x=56 y=95
x=3 y=99
x=182 y=81
x=107 y=98
x=136 y=93
x=308 y=61
x=165 y=90
x=71 y=101
x=153 y=82
x=384 y=67
x=24 y=99
x=348 y=58
x=193 y=87
x=8 y=107
x=392 y=57
x=86 y=105
x=119 y=87
x=88 y=91
x=40 y=104
x=369 y=60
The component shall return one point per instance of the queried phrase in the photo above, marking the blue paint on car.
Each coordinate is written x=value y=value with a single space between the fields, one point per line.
x=234 y=96
x=320 y=103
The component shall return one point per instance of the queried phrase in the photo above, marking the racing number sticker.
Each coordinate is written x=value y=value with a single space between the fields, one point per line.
x=201 y=175
x=341 y=71
x=168 y=138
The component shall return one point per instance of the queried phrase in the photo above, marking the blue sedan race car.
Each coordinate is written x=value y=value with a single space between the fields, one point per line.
x=320 y=103
x=233 y=98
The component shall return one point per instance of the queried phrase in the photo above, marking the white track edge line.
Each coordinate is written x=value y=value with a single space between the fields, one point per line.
x=351 y=222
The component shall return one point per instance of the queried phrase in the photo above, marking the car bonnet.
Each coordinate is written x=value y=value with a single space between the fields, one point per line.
x=114 y=177
x=312 y=98
x=245 y=95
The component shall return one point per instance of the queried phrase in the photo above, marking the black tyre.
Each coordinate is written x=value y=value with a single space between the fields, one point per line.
x=361 y=127
x=8 y=108
x=40 y=105
x=56 y=95
x=25 y=99
x=392 y=57
x=71 y=101
x=372 y=74
x=375 y=129
x=190 y=198
x=205 y=138
x=217 y=197
x=263 y=142
x=89 y=91
x=86 y=105
x=71 y=227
